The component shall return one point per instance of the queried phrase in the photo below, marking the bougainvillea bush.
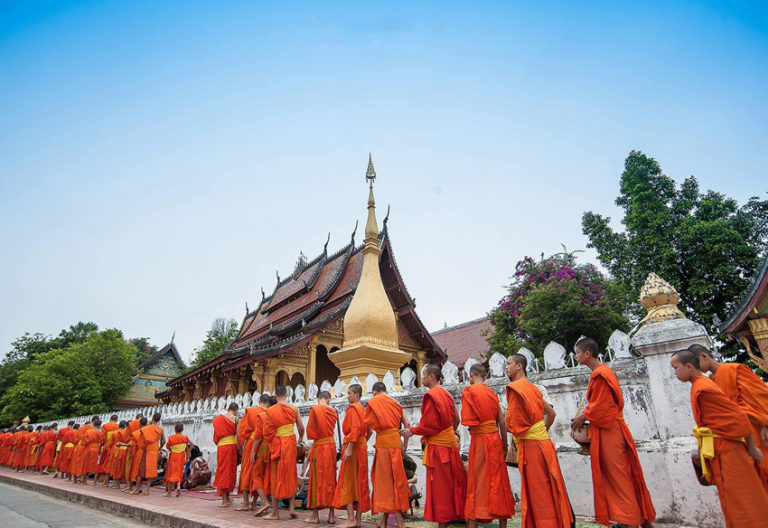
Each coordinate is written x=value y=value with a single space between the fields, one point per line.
x=556 y=299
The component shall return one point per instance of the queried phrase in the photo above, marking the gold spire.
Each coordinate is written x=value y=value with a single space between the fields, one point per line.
x=371 y=226
x=660 y=298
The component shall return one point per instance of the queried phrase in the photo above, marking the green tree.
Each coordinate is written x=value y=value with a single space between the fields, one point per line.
x=83 y=378
x=222 y=333
x=556 y=299
x=144 y=350
x=704 y=244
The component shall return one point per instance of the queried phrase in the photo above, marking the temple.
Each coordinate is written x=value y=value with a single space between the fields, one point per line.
x=288 y=338
x=749 y=322
x=154 y=374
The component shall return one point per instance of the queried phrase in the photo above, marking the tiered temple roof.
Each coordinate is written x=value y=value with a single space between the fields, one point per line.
x=316 y=294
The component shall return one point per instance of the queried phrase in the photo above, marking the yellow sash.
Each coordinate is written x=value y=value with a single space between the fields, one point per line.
x=227 y=440
x=58 y=446
x=324 y=441
x=110 y=433
x=69 y=444
x=388 y=439
x=178 y=448
x=484 y=428
x=285 y=430
x=705 y=439
x=537 y=431
x=123 y=447
x=445 y=438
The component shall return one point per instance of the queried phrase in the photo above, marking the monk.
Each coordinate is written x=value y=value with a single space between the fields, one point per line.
x=130 y=460
x=122 y=443
x=69 y=439
x=543 y=498
x=179 y=446
x=279 y=433
x=138 y=455
x=49 y=449
x=35 y=447
x=260 y=455
x=78 y=455
x=321 y=426
x=390 y=492
x=245 y=440
x=489 y=495
x=109 y=430
x=151 y=439
x=91 y=440
x=744 y=388
x=620 y=493
x=727 y=448
x=446 y=476
x=224 y=430
x=60 y=447
x=352 y=491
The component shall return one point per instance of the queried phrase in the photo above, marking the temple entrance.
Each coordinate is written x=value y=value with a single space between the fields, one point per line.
x=281 y=378
x=325 y=370
x=297 y=379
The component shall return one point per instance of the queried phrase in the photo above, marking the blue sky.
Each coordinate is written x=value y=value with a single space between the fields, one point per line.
x=159 y=160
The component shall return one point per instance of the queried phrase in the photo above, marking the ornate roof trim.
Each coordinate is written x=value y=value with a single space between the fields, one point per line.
x=737 y=318
x=157 y=355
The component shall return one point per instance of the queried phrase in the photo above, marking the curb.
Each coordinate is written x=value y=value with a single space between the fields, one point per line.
x=145 y=514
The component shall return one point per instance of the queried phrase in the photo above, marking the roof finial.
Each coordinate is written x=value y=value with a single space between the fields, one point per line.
x=247 y=311
x=263 y=294
x=325 y=247
x=354 y=230
x=386 y=218
x=277 y=274
x=173 y=336
x=370 y=174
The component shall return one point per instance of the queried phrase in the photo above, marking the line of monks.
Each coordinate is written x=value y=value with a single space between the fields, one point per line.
x=124 y=453
x=730 y=410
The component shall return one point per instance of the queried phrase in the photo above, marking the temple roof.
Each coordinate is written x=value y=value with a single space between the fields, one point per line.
x=757 y=292
x=465 y=340
x=316 y=294
x=171 y=349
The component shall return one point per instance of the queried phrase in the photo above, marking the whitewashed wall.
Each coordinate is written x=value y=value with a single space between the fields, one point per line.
x=657 y=411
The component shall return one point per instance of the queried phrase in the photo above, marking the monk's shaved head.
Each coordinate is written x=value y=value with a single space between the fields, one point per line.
x=479 y=370
x=281 y=391
x=587 y=344
x=323 y=395
x=686 y=357
x=178 y=427
x=379 y=387
x=433 y=370
x=699 y=350
x=264 y=398
x=520 y=360
x=233 y=407
x=143 y=421
x=357 y=389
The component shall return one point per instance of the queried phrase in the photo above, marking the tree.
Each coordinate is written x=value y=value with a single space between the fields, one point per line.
x=222 y=333
x=143 y=349
x=555 y=299
x=704 y=244
x=82 y=378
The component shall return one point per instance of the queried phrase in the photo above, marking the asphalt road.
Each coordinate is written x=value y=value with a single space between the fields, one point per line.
x=20 y=508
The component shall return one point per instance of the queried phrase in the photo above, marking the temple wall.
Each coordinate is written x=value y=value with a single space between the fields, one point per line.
x=657 y=411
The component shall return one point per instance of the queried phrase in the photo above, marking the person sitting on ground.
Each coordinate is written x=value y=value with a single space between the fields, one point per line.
x=198 y=474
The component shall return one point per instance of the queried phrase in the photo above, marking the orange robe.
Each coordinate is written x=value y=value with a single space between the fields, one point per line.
x=60 y=446
x=78 y=455
x=174 y=470
x=19 y=445
x=321 y=427
x=91 y=439
x=67 y=448
x=226 y=454
x=543 y=498
x=130 y=459
x=620 y=493
x=33 y=446
x=390 y=486
x=138 y=455
x=109 y=430
x=49 y=449
x=245 y=430
x=283 y=478
x=151 y=436
x=120 y=454
x=352 y=485
x=489 y=494
x=259 y=468
x=742 y=497
x=744 y=388
x=446 y=477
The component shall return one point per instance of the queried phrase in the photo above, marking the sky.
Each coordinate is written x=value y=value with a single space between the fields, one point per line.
x=159 y=161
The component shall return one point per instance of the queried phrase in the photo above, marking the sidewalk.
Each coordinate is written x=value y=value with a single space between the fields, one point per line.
x=191 y=510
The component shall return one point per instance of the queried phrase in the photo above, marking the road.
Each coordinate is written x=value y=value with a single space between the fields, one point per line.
x=20 y=508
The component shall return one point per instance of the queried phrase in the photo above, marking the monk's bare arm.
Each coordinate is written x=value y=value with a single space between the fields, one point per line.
x=404 y=421
x=502 y=428
x=549 y=415
x=300 y=427
x=753 y=449
x=456 y=419
x=255 y=449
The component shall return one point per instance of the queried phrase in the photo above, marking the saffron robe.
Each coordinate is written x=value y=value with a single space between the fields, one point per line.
x=138 y=455
x=489 y=494
x=29 y=455
x=446 y=476
x=543 y=498
x=120 y=454
x=133 y=426
x=226 y=455
x=390 y=486
x=78 y=455
x=109 y=430
x=260 y=466
x=744 y=388
x=283 y=477
x=67 y=448
x=91 y=439
x=49 y=449
x=174 y=470
x=352 y=485
x=60 y=446
x=742 y=497
x=321 y=427
x=620 y=493
x=151 y=436
x=245 y=430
